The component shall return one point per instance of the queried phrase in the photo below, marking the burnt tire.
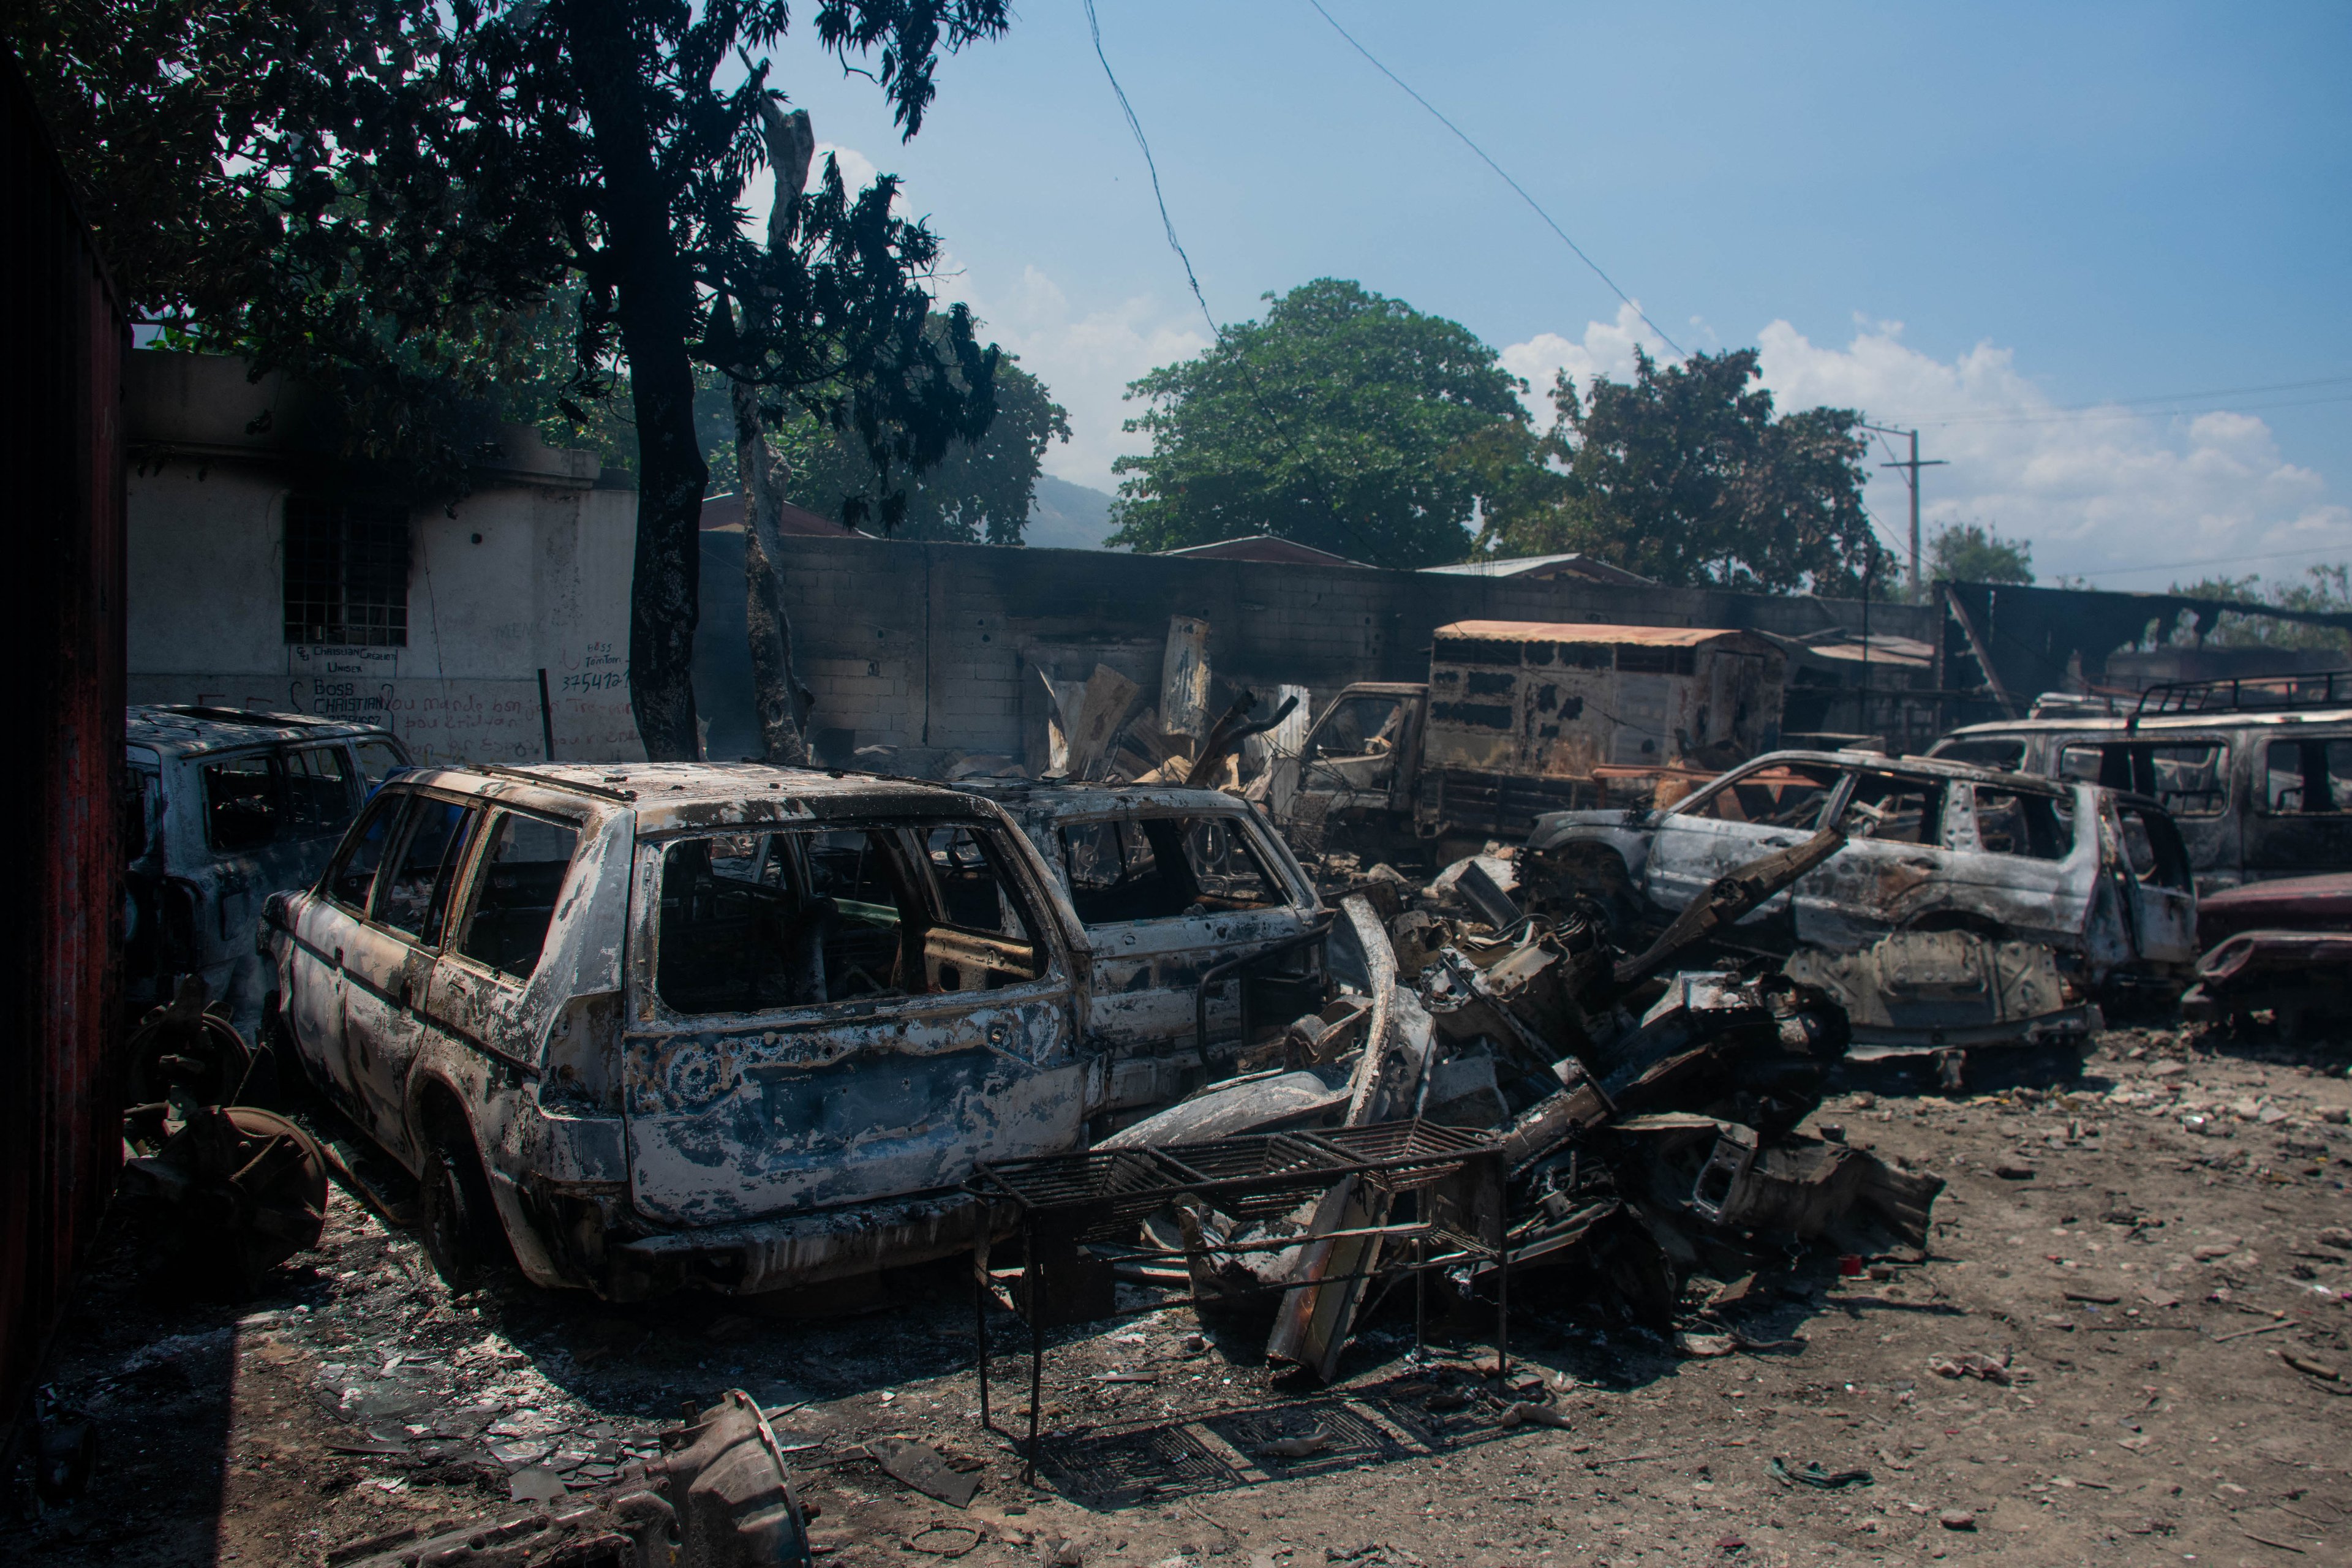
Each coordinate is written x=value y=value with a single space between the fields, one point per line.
x=457 y=1219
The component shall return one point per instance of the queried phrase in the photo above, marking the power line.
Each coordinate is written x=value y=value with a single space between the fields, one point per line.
x=1498 y=169
x=1094 y=26
x=2208 y=392
x=2119 y=410
x=1341 y=524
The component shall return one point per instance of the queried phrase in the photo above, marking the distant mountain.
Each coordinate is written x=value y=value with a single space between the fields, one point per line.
x=1064 y=516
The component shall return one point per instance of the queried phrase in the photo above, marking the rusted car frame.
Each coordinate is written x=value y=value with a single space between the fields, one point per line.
x=224 y=807
x=735 y=1027
x=2257 y=796
x=1195 y=916
x=2096 y=876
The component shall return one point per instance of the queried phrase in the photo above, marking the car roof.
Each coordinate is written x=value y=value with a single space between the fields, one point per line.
x=185 y=730
x=667 y=796
x=1057 y=799
x=1926 y=767
x=2120 y=726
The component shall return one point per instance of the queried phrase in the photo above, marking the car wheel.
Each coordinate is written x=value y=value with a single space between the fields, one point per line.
x=458 y=1223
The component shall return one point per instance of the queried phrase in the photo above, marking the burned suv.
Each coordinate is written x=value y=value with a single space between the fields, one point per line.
x=1962 y=900
x=222 y=808
x=730 y=1025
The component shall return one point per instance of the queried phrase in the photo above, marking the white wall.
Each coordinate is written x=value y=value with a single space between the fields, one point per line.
x=546 y=587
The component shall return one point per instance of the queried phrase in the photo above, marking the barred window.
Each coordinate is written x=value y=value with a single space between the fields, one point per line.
x=346 y=572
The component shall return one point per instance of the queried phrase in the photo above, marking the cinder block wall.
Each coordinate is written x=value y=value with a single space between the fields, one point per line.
x=940 y=645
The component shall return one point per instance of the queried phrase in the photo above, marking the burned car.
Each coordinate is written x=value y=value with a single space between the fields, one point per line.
x=1199 y=924
x=1966 y=905
x=728 y=1025
x=223 y=807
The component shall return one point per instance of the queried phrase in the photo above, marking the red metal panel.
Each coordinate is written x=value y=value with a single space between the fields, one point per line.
x=61 y=602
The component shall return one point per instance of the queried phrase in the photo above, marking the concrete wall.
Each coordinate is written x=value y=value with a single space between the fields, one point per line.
x=530 y=574
x=940 y=645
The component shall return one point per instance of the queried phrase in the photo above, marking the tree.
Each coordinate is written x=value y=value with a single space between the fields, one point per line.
x=372 y=197
x=2324 y=588
x=1972 y=552
x=980 y=489
x=1337 y=421
x=1686 y=475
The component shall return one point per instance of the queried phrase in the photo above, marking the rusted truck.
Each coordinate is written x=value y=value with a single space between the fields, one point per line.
x=1518 y=718
x=746 y=1028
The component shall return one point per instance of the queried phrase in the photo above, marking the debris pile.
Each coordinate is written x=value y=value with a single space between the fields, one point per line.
x=1644 y=1120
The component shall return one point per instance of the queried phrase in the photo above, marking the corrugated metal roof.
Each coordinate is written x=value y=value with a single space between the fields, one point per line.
x=1570 y=563
x=1261 y=547
x=1590 y=632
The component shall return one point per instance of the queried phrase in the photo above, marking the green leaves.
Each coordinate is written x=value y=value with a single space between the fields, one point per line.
x=1341 y=420
x=1972 y=552
x=1685 y=476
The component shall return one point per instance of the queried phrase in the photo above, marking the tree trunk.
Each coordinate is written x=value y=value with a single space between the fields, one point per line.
x=775 y=687
x=776 y=693
x=655 y=304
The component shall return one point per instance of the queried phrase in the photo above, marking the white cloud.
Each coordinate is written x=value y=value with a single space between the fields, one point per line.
x=1085 y=358
x=2115 y=494
x=858 y=171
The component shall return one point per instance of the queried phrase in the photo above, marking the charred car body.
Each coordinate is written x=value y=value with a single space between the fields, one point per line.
x=2258 y=773
x=1965 y=907
x=739 y=1026
x=224 y=807
x=1197 y=922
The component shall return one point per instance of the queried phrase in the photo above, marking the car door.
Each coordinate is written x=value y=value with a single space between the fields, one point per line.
x=479 y=993
x=388 y=960
x=2020 y=859
x=2159 y=883
x=2301 y=823
x=1164 y=896
x=1362 y=752
x=812 y=1025
x=322 y=928
x=1886 y=874
x=1744 y=815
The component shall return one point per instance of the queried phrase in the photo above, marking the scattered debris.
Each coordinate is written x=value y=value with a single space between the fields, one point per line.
x=921 y=1467
x=1814 y=1475
x=1972 y=1363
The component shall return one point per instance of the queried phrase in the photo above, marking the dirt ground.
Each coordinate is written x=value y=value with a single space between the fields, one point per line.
x=2162 y=1317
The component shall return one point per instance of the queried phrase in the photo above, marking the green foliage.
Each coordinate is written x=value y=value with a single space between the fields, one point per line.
x=1685 y=476
x=1972 y=552
x=407 y=204
x=979 y=490
x=1339 y=420
x=2323 y=589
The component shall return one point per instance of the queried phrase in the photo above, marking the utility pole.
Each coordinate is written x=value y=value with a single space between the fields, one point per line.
x=1911 y=476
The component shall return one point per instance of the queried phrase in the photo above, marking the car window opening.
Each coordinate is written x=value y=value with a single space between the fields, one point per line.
x=1896 y=810
x=416 y=897
x=1161 y=867
x=1789 y=795
x=514 y=903
x=2307 y=777
x=751 y=922
x=2010 y=822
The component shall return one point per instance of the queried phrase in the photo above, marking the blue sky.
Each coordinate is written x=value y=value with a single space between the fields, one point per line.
x=1981 y=219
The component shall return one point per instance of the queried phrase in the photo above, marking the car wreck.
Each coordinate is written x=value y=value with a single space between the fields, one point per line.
x=747 y=1029
x=1965 y=908
x=222 y=808
x=2283 y=947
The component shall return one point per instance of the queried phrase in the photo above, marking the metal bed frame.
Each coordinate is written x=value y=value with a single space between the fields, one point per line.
x=1063 y=1203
